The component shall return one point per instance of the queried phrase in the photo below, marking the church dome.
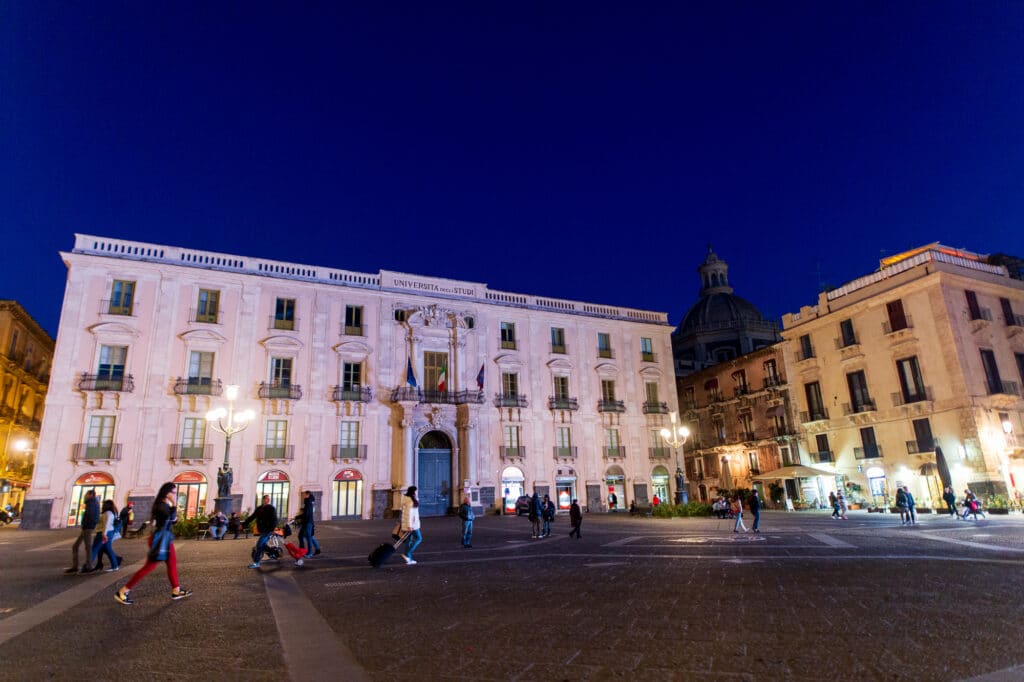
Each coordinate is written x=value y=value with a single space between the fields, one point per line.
x=718 y=308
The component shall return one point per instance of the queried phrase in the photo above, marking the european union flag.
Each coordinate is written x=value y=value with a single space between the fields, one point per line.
x=480 y=378
x=410 y=378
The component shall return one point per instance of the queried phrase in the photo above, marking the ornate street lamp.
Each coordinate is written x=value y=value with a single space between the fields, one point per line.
x=227 y=422
x=676 y=438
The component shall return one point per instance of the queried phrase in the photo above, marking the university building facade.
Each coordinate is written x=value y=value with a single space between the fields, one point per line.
x=361 y=385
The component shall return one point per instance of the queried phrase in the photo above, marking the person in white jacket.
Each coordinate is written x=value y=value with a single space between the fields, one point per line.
x=411 y=523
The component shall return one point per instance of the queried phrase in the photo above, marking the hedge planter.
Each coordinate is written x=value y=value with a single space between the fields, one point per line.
x=997 y=511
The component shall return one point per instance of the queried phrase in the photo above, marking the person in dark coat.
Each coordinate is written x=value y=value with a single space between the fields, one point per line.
x=754 y=502
x=950 y=499
x=908 y=499
x=90 y=518
x=266 y=521
x=547 y=514
x=467 y=515
x=834 y=501
x=575 y=518
x=534 y=515
x=307 y=519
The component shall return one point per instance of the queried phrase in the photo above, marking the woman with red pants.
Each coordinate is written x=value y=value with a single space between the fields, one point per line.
x=165 y=513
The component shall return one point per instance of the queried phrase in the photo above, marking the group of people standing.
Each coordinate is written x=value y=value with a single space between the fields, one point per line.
x=100 y=527
x=542 y=515
x=754 y=504
x=838 y=503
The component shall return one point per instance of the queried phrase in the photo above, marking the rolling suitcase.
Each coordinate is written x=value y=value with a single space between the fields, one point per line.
x=384 y=551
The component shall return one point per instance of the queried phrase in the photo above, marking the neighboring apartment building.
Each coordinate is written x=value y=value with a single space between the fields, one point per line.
x=362 y=384
x=742 y=425
x=25 y=355
x=912 y=376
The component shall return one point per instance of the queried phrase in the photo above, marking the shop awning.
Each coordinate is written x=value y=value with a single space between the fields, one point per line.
x=795 y=471
x=775 y=411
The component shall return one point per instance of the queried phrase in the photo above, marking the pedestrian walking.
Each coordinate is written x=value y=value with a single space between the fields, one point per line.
x=755 y=508
x=265 y=517
x=127 y=517
x=547 y=515
x=737 y=508
x=613 y=501
x=161 y=546
x=411 y=523
x=104 y=540
x=901 y=504
x=908 y=497
x=950 y=499
x=467 y=516
x=841 y=500
x=307 y=528
x=90 y=518
x=534 y=515
x=834 y=502
x=575 y=518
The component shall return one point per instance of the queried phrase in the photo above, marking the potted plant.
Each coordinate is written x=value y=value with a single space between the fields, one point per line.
x=997 y=504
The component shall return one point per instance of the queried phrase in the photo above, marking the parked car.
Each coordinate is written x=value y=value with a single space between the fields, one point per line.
x=522 y=505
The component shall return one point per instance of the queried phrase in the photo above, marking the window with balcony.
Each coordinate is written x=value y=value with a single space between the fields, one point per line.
x=284 y=313
x=276 y=444
x=508 y=335
x=563 y=442
x=193 y=440
x=604 y=345
x=992 y=378
x=353 y=320
x=824 y=454
x=110 y=370
x=351 y=387
x=658 y=449
x=608 y=402
x=348 y=441
x=897 y=318
x=208 y=306
x=652 y=404
x=12 y=348
x=860 y=399
x=806 y=349
x=911 y=383
x=200 y=373
x=612 y=444
x=746 y=421
x=512 y=441
x=561 y=399
x=923 y=441
x=846 y=333
x=1010 y=318
x=100 y=440
x=739 y=380
x=752 y=462
x=869 y=446
x=435 y=373
x=280 y=383
x=646 y=349
x=122 y=297
x=510 y=396
x=771 y=374
x=557 y=340
x=815 y=405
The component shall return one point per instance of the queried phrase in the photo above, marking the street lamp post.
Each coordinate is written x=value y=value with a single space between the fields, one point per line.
x=228 y=423
x=676 y=438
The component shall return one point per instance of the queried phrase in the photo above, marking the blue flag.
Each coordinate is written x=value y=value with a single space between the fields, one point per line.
x=410 y=378
x=480 y=378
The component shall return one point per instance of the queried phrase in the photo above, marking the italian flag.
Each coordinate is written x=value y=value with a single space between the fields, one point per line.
x=442 y=378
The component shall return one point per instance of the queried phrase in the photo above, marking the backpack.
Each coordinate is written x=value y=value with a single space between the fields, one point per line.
x=117 y=524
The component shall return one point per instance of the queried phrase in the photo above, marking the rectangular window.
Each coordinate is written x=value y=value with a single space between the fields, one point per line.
x=611 y=438
x=348 y=435
x=657 y=440
x=281 y=372
x=604 y=345
x=512 y=436
x=277 y=434
x=607 y=390
x=509 y=385
x=193 y=433
x=434 y=365
x=1020 y=366
x=806 y=349
x=846 y=330
x=860 y=399
x=1009 y=317
x=13 y=348
x=923 y=435
x=651 y=390
x=284 y=313
x=911 y=383
x=815 y=405
x=351 y=376
x=122 y=297
x=563 y=441
x=752 y=461
x=698 y=467
x=353 y=320
x=868 y=442
x=557 y=340
x=973 y=309
x=208 y=305
x=101 y=432
x=739 y=378
x=110 y=371
x=508 y=335
x=992 y=378
x=771 y=373
x=746 y=426
x=824 y=454
x=897 y=318
x=646 y=349
x=561 y=388
x=200 y=368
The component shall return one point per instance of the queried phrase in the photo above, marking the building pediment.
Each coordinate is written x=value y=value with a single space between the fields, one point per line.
x=606 y=369
x=194 y=336
x=651 y=373
x=560 y=364
x=114 y=330
x=508 y=360
x=281 y=343
x=353 y=349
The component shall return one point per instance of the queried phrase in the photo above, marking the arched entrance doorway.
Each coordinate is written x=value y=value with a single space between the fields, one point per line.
x=615 y=485
x=191 y=493
x=511 y=487
x=103 y=484
x=434 y=468
x=347 y=495
x=659 y=484
x=275 y=484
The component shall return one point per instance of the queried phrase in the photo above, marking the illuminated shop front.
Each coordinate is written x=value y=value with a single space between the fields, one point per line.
x=275 y=484
x=660 y=483
x=102 y=483
x=191 y=494
x=615 y=484
x=347 y=495
x=565 y=489
x=512 y=487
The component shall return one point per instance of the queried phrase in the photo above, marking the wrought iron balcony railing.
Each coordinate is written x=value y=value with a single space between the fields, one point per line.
x=920 y=447
x=611 y=406
x=1004 y=388
x=822 y=456
x=659 y=453
x=872 y=452
x=898 y=399
x=771 y=382
x=605 y=353
x=648 y=357
x=503 y=400
x=195 y=315
x=273 y=453
x=179 y=452
x=816 y=415
x=655 y=407
x=340 y=452
x=559 y=348
x=198 y=386
x=614 y=451
x=510 y=452
x=288 y=324
x=563 y=404
x=361 y=394
x=115 y=307
x=443 y=397
x=857 y=408
x=280 y=390
x=565 y=452
x=888 y=328
x=105 y=382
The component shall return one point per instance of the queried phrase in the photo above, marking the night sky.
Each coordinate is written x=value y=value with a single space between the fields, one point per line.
x=575 y=150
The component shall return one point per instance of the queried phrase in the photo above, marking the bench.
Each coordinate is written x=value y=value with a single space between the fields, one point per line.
x=135 y=532
x=202 y=530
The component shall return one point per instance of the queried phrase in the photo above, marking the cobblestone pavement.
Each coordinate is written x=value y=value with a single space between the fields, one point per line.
x=809 y=597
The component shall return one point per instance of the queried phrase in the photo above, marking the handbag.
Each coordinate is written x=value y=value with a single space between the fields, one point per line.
x=160 y=547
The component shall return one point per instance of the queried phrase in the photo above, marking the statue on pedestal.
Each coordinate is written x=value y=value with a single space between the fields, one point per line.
x=224 y=480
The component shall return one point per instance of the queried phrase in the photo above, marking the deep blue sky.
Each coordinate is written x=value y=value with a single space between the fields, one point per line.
x=567 y=149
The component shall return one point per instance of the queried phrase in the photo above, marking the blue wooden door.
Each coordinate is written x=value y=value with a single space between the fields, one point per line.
x=434 y=482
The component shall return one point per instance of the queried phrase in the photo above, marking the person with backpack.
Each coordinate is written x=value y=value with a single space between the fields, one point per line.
x=467 y=516
x=109 y=526
x=306 y=519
